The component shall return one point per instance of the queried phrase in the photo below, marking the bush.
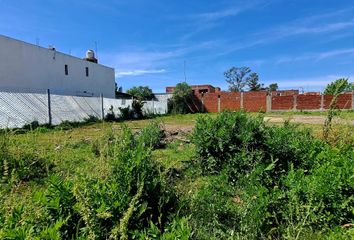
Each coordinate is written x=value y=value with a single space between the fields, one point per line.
x=134 y=196
x=151 y=135
x=271 y=182
x=219 y=139
x=21 y=165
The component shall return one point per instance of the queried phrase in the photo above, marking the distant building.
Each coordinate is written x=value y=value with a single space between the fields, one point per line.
x=290 y=92
x=26 y=67
x=312 y=93
x=198 y=89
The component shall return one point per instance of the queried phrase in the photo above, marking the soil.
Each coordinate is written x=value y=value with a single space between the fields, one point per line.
x=306 y=120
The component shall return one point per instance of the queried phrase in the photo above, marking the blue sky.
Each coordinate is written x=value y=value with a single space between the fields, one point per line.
x=296 y=43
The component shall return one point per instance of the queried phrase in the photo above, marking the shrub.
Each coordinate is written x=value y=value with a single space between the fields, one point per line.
x=151 y=135
x=284 y=182
x=21 y=165
x=217 y=140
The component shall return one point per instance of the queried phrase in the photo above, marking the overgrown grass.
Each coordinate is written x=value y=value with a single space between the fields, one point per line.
x=240 y=178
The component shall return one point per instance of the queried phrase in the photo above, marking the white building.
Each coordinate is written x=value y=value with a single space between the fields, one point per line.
x=26 y=67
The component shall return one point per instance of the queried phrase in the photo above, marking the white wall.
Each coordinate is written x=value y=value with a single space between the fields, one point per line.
x=18 y=109
x=28 y=68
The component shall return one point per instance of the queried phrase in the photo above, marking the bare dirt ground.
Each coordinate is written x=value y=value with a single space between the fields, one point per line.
x=306 y=120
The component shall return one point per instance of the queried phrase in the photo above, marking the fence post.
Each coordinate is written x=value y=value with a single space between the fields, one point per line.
x=102 y=109
x=241 y=101
x=153 y=106
x=294 y=102
x=49 y=108
x=322 y=103
x=202 y=108
x=219 y=103
x=269 y=103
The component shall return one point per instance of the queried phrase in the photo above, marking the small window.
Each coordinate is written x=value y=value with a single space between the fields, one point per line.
x=66 y=69
x=87 y=71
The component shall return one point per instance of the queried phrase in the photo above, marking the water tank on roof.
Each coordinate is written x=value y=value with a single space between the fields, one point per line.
x=90 y=56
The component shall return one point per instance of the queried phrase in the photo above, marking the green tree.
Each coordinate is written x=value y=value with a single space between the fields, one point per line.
x=182 y=96
x=339 y=86
x=141 y=93
x=273 y=87
x=253 y=82
x=239 y=77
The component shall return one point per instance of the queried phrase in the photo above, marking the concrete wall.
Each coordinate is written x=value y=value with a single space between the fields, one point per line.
x=28 y=68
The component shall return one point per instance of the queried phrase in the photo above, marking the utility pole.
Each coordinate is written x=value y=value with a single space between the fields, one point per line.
x=184 y=69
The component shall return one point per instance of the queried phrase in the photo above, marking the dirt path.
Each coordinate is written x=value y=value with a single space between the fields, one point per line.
x=306 y=120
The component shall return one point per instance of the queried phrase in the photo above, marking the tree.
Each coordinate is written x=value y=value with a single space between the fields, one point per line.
x=339 y=86
x=141 y=93
x=253 y=82
x=181 y=97
x=239 y=77
x=273 y=87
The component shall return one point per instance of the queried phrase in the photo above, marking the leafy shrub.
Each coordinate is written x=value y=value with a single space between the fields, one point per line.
x=285 y=183
x=137 y=107
x=110 y=116
x=151 y=135
x=22 y=165
x=125 y=113
x=217 y=140
x=132 y=197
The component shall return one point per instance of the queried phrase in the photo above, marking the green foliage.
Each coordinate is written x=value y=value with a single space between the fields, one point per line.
x=133 y=196
x=20 y=165
x=339 y=86
x=151 y=135
x=181 y=98
x=137 y=107
x=273 y=87
x=253 y=82
x=126 y=113
x=141 y=93
x=269 y=181
x=218 y=139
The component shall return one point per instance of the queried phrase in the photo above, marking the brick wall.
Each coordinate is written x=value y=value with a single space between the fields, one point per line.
x=257 y=101
x=211 y=102
x=308 y=102
x=230 y=101
x=282 y=102
x=344 y=101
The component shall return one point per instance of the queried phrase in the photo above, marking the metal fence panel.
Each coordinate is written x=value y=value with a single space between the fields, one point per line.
x=18 y=109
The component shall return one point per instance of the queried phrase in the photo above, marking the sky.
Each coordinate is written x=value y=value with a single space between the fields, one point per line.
x=299 y=44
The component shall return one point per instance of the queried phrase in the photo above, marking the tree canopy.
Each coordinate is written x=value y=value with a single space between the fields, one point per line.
x=181 y=96
x=253 y=82
x=339 y=86
x=273 y=87
x=239 y=77
x=141 y=92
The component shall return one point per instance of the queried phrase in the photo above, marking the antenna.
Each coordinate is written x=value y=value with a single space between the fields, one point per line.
x=185 y=77
x=37 y=41
x=96 y=49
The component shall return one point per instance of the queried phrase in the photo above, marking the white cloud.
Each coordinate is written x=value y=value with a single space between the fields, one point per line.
x=308 y=84
x=138 y=72
x=314 y=56
x=305 y=26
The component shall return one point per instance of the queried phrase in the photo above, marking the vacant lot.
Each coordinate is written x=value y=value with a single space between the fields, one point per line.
x=102 y=181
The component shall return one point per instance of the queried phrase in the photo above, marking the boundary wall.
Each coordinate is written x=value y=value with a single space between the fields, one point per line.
x=261 y=101
x=18 y=109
